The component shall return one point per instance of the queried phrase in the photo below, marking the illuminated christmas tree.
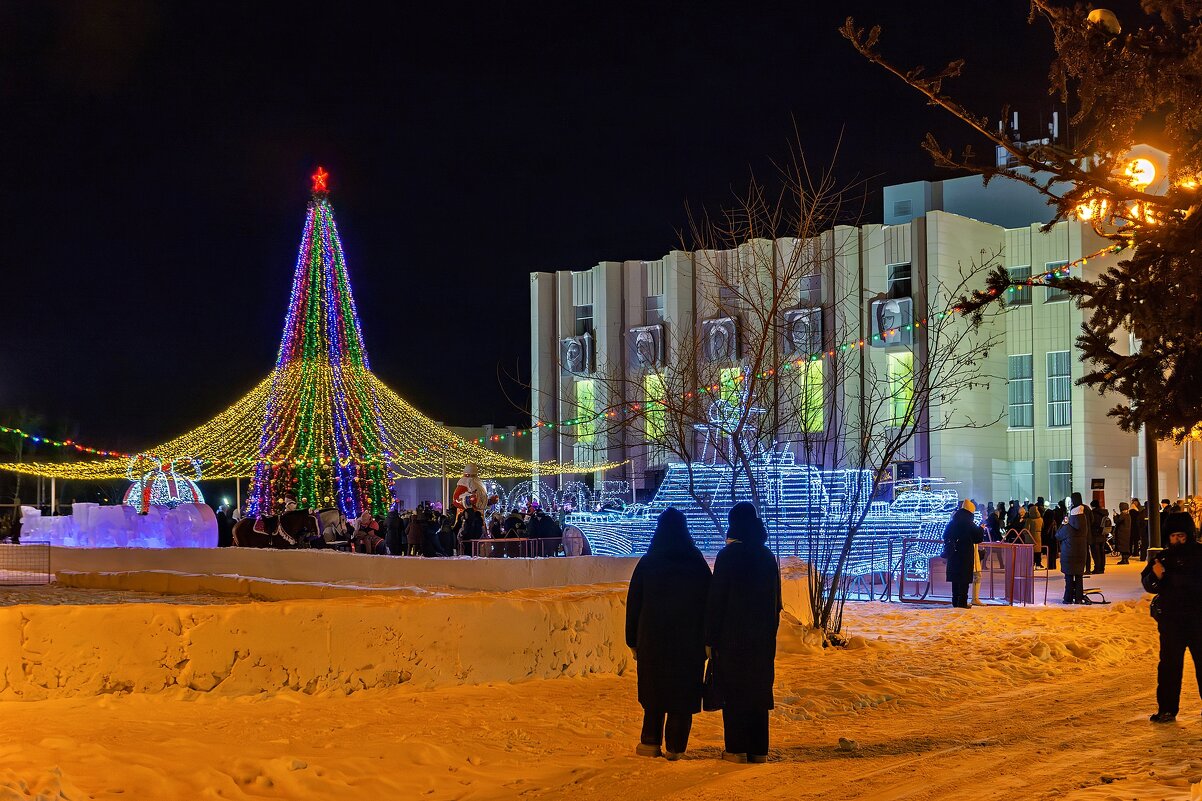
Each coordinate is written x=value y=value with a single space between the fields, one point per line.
x=323 y=438
x=321 y=427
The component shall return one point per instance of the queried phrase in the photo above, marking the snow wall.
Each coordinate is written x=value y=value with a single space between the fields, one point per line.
x=362 y=638
x=353 y=568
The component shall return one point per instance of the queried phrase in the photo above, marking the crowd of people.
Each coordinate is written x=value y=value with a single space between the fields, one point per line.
x=428 y=531
x=1080 y=537
x=1124 y=532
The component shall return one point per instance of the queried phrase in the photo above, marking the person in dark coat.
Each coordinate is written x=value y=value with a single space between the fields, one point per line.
x=394 y=530
x=960 y=539
x=1139 y=529
x=665 y=629
x=1098 y=518
x=994 y=522
x=1051 y=524
x=1073 y=537
x=1122 y=533
x=415 y=534
x=1175 y=576
x=1176 y=519
x=225 y=528
x=742 y=617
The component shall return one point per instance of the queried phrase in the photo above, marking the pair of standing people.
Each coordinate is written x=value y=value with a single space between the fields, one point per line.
x=678 y=614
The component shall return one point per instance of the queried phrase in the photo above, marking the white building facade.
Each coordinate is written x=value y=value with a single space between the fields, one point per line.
x=1043 y=434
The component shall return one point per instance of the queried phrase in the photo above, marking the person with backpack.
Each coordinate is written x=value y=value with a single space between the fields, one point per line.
x=1122 y=533
x=665 y=630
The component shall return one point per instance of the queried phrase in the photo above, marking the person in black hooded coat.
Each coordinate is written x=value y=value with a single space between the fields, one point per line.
x=665 y=628
x=742 y=617
x=960 y=538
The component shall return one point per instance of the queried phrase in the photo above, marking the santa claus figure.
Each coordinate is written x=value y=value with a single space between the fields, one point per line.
x=470 y=492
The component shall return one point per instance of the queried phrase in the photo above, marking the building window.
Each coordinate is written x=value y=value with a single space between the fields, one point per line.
x=1060 y=385
x=653 y=398
x=1052 y=293
x=1060 y=479
x=1021 y=390
x=900 y=374
x=1019 y=295
x=584 y=319
x=812 y=406
x=899 y=280
x=586 y=428
x=728 y=299
x=1022 y=480
x=811 y=290
x=653 y=310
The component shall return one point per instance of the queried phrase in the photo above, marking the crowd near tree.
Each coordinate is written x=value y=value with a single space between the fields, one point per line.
x=1076 y=537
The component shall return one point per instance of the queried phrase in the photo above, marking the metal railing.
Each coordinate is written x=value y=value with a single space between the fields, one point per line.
x=27 y=563
x=517 y=547
x=1007 y=575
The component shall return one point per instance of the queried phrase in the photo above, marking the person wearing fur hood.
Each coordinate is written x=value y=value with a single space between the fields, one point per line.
x=1073 y=538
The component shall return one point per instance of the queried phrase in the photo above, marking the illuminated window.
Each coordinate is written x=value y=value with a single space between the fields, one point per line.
x=1060 y=386
x=653 y=396
x=728 y=378
x=812 y=407
x=900 y=374
x=585 y=409
x=1021 y=390
x=1019 y=295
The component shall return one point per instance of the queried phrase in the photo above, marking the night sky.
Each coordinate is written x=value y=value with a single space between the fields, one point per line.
x=156 y=163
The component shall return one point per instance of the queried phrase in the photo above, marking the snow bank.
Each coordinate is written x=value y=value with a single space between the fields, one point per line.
x=321 y=636
x=336 y=567
x=332 y=645
x=174 y=582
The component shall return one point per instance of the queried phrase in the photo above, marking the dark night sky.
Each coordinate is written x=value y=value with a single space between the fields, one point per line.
x=156 y=163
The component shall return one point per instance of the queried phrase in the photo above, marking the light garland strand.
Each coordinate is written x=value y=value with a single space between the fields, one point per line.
x=412 y=445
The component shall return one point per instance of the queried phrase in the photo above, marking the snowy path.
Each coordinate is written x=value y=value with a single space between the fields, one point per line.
x=993 y=703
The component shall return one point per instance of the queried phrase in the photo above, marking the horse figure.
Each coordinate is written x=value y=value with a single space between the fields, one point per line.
x=295 y=529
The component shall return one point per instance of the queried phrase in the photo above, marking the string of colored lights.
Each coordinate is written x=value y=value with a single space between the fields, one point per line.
x=411 y=446
x=65 y=443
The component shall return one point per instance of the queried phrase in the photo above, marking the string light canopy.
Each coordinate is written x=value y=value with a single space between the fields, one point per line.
x=321 y=427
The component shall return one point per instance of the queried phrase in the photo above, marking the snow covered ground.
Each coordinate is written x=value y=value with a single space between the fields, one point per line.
x=930 y=703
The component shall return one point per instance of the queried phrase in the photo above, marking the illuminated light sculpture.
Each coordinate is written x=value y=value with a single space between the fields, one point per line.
x=803 y=506
x=321 y=425
x=164 y=485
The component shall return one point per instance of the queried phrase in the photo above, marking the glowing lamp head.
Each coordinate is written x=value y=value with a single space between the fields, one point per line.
x=1142 y=172
x=1106 y=18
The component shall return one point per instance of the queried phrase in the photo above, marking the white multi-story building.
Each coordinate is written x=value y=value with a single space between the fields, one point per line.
x=1047 y=435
